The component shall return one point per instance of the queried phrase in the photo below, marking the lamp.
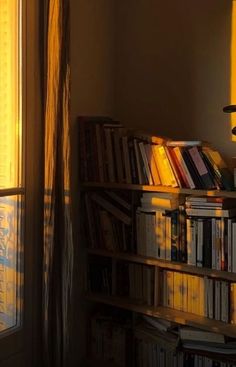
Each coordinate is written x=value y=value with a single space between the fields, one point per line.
x=229 y=109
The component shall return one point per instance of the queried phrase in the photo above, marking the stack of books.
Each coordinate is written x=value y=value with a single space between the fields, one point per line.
x=109 y=152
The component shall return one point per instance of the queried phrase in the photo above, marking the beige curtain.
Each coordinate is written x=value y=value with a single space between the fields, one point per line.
x=58 y=244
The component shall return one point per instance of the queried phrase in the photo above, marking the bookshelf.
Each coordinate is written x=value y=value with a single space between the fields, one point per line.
x=105 y=266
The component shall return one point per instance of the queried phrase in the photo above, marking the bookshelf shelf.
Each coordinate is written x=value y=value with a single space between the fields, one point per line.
x=169 y=314
x=98 y=363
x=165 y=264
x=119 y=186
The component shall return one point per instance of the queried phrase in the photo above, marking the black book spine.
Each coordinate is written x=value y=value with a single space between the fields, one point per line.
x=207 y=245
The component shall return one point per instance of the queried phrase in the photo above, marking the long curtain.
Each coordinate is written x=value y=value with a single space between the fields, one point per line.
x=58 y=243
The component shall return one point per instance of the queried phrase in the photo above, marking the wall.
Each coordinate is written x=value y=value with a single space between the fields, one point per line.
x=173 y=68
x=92 y=85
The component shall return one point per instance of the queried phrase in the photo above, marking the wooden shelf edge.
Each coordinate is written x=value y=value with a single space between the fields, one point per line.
x=99 y=363
x=165 y=264
x=180 y=317
x=117 y=186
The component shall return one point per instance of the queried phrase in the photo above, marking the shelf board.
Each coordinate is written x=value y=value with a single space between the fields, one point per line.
x=120 y=186
x=99 y=363
x=180 y=317
x=165 y=264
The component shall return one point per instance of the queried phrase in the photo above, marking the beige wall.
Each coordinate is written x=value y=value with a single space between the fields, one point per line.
x=173 y=68
x=92 y=51
x=92 y=86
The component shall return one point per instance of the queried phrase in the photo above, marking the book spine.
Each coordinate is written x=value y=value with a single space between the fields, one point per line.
x=184 y=168
x=191 y=241
x=199 y=224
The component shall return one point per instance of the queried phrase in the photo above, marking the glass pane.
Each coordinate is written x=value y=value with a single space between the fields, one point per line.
x=11 y=261
x=10 y=94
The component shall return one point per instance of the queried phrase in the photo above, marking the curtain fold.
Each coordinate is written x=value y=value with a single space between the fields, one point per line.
x=58 y=243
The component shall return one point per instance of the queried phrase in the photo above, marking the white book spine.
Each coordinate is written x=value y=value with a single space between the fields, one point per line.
x=217 y=300
x=154 y=252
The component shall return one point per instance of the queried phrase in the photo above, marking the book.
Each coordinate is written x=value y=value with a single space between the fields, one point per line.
x=225 y=213
x=126 y=159
x=201 y=168
x=185 y=143
x=183 y=167
x=142 y=179
x=221 y=202
x=220 y=167
x=111 y=208
x=152 y=164
x=194 y=334
x=145 y=163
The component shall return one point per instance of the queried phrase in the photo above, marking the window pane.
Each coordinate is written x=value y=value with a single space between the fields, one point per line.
x=11 y=277
x=10 y=94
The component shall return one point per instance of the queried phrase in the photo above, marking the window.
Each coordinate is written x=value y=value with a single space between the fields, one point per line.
x=11 y=189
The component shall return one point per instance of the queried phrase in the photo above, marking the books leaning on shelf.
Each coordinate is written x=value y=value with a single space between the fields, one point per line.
x=107 y=221
x=109 y=152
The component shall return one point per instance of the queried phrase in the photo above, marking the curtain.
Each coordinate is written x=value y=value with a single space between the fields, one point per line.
x=58 y=243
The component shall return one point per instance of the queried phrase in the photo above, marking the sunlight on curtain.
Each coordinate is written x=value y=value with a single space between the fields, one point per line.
x=58 y=244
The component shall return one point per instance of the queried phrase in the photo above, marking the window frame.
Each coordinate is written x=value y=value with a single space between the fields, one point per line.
x=24 y=342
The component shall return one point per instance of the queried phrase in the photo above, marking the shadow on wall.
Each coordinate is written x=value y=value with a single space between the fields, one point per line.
x=172 y=68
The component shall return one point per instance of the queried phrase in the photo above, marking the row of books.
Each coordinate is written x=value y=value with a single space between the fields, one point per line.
x=111 y=153
x=201 y=233
x=164 y=228
x=212 y=298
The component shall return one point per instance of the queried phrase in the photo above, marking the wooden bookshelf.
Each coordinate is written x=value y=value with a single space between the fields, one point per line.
x=130 y=163
x=120 y=186
x=180 y=317
x=175 y=266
